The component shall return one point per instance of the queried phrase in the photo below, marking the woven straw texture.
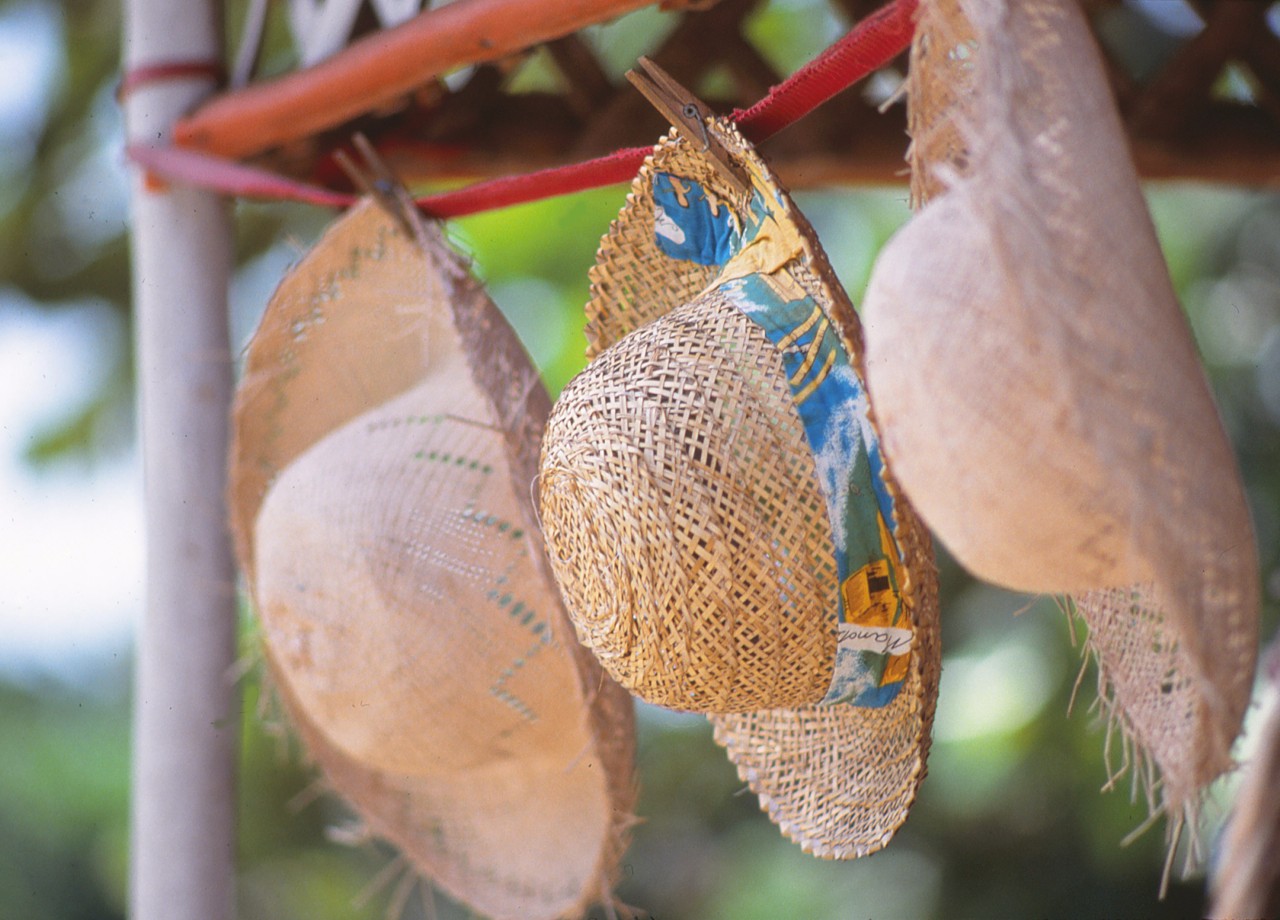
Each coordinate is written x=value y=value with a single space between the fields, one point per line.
x=943 y=58
x=840 y=780
x=720 y=517
x=386 y=433
x=1065 y=439
x=685 y=523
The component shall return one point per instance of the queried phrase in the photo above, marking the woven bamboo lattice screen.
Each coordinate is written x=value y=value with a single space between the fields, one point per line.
x=478 y=88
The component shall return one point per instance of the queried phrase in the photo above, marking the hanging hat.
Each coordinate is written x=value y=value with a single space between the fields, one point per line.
x=386 y=434
x=1065 y=438
x=717 y=510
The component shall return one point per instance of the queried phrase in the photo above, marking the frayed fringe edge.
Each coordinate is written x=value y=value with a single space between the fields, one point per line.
x=1145 y=780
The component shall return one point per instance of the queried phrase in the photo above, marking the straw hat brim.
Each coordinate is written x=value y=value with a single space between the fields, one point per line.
x=837 y=779
x=1075 y=415
x=516 y=803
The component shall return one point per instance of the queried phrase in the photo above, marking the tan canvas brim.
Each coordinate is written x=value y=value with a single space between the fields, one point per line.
x=386 y=434
x=1076 y=414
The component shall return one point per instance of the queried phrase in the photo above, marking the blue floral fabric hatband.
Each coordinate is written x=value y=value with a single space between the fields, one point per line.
x=874 y=632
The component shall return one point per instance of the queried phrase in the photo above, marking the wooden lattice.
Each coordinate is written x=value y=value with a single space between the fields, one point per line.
x=1181 y=123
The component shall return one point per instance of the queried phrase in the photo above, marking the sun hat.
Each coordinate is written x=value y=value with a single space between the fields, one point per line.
x=387 y=431
x=725 y=531
x=1065 y=398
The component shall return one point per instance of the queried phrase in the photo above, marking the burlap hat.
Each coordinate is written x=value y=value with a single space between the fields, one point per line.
x=717 y=511
x=386 y=434
x=1064 y=398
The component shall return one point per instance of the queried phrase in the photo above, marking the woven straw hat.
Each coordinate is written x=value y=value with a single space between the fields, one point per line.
x=1065 y=397
x=386 y=433
x=717 y=512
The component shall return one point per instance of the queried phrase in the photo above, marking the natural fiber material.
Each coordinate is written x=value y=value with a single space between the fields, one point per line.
x=386 y=434
x=840 y=780
x=940 y=81
x=1147 y=685
x=1064 y=438
x=688 y=514
x=721 y=517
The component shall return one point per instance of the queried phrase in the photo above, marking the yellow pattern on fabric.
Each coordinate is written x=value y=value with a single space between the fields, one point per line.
x=681 y=190
x=772 y=247
x=787 y=288
x=804 y=327
x=802 y=395
x=870 y=599
x=810 y=358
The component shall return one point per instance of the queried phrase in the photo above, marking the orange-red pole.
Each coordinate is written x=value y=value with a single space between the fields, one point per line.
x=380 y=68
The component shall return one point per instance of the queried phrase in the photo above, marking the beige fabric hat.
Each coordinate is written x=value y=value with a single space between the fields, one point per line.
x=1064 y=398
x=717 y=512
x=386 y=434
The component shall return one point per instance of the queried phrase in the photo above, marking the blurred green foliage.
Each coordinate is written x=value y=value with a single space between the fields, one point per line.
x=64 y=769
x=1010 y=822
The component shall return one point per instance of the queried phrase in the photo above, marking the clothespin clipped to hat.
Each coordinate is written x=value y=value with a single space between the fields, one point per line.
x=376 y=180
x=689 y=114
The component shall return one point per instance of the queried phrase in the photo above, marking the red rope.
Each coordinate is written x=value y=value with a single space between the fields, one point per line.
x=204 y=171
x=619 y=166
x=137 y=77
x=867 y=47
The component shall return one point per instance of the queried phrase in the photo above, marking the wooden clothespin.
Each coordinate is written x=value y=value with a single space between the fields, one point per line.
x=689 y=114
x=377 y=180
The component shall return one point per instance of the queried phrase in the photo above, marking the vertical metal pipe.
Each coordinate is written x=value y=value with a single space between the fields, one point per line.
x=185 y=703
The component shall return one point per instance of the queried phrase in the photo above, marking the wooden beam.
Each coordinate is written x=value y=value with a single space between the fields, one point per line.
x=844 y=143
x=381 y=68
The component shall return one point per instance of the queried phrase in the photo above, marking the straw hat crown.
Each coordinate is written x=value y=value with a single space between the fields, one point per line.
x=723 y=527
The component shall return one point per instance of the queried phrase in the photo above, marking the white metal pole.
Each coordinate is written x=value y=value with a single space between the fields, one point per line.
x=186 y=715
